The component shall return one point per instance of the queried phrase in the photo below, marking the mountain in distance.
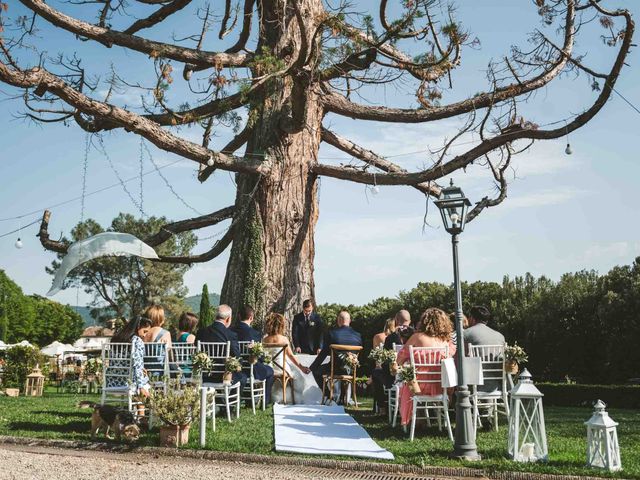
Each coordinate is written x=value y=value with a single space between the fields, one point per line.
x=193 y=302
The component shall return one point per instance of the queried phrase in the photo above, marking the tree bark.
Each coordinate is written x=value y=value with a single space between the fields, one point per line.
x=271 y=261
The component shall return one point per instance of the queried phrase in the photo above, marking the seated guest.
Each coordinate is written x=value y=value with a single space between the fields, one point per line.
x=246 y=333
x=403 y=330
x=155 y=313
x=243 y=329
x=187 y=324
x=389 y=328
x=133 y=332
x=434 y=331
x=343 y=334
x=219 y=331
x=479 y=333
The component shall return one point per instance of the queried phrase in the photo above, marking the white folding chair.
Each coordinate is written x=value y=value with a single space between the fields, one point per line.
x=181 y=355
x=227 y=395
x=393 y=395
x=117 y=374
x=254 y=389
x=156 y=363
x=494 y=401
x=426 y=362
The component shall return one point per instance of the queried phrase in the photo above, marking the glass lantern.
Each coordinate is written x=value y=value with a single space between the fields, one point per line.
x=603 y=450
x=453 y=207
x=527 y=440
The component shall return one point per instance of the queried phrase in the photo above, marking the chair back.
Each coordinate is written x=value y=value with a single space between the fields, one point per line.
x=156 y=361
x=337 y=364
x=397 y=347
x=426 y=362
x=181 y=355
x=492 y=361
x=218 y=352
x=243 y=347
x=117 y=365
x=278 y=352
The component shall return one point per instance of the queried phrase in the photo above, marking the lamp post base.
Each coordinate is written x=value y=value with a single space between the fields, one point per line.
x=464 y=447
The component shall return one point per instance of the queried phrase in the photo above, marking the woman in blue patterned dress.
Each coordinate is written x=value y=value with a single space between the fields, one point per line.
x=133 y=332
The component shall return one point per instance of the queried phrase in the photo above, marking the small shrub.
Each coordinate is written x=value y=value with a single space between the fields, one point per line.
x=19 y=362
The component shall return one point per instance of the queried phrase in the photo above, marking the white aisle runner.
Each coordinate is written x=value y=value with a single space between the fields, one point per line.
x=322 y=430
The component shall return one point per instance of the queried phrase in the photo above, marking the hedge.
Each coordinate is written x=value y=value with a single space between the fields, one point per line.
x=576 y=395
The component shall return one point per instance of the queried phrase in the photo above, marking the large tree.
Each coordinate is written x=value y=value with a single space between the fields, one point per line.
x=292 y=63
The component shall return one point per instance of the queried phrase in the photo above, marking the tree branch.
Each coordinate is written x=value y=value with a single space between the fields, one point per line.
x=157 y=16
x=190 y=224
x=235 y=143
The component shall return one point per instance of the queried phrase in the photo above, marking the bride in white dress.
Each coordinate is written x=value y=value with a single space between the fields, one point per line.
x=305 y=389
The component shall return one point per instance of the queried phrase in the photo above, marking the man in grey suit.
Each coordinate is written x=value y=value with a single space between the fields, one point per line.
x=479 y=333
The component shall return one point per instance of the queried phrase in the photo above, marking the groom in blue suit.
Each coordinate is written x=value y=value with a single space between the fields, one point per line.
x=343 y=334
x=246 y=333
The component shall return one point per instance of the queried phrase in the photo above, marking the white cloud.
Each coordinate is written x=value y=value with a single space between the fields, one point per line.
x=542 y=199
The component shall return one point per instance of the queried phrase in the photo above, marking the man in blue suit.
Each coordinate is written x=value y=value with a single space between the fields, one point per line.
x=306 y=330
x=246 y=333
x=219 y=331
x=343 y=334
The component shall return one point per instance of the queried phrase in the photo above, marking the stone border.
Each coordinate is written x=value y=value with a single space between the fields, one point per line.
x=285 y=460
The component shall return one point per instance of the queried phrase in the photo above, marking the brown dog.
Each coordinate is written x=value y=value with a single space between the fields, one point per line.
x=121 y=422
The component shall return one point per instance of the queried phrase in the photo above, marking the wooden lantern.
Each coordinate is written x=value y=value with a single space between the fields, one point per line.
x=603 y=450
x=527 y=440
x=35 y=383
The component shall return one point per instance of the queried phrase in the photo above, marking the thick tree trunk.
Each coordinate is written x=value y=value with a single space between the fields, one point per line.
x=271 y=262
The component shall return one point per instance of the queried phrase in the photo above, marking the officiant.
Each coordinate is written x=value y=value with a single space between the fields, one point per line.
x=307 y=330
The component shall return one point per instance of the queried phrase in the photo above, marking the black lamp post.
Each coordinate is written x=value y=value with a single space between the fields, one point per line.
x=453 y=207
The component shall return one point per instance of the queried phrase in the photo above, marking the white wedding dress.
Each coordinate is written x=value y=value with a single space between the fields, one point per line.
x=305 y=388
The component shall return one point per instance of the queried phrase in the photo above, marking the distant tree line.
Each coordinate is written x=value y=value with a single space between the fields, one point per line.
x=34 y=318
x=584 y=327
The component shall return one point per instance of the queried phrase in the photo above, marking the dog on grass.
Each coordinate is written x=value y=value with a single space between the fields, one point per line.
x=120 y=421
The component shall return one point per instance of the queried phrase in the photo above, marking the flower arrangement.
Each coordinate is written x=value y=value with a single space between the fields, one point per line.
x=257 y=352
x=177 y=406
x=515 y=353
x=350 y=361
x=93 y=367
x=407 y=374
x=200 y=362
x=232 y=364
x=381 y=356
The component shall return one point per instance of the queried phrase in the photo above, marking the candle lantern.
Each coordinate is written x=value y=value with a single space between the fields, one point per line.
x=527 y=440
x=35 y=383
x=603 y=450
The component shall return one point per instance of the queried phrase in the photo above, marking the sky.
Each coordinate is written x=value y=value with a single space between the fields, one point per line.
x=564 y=213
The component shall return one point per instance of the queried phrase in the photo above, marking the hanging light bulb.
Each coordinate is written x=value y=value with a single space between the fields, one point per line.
x=455 y=218
x=568 y=150
x=375 y=190
x=19 y=244
x=210 y=162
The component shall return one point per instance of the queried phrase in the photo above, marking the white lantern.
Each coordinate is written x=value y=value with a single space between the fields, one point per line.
x=527 y=435
x=603 y=450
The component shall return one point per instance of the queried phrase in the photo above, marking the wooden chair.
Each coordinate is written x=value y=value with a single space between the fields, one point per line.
x=255 y=390
x=278 y=354
x=329 y=381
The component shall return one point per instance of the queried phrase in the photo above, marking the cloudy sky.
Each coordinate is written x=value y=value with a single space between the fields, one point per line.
x=564 y=213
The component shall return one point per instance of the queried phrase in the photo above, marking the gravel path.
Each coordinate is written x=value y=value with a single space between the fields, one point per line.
x=31 y=462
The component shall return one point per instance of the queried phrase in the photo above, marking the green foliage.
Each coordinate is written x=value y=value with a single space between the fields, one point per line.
x=19 y=361
x=34 y=318
x=130 y=284
x=178 y=406
x=574 y=395
x=206 y=317
x=584 y=326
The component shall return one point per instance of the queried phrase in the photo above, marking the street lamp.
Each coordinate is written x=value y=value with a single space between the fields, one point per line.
x=453 y=207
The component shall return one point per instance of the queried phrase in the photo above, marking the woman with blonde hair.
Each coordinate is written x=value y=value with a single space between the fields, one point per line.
x=389 y=328
x=157 y=333
x=434 y=330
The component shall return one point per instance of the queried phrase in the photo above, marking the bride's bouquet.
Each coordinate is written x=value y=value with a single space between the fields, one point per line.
x=381 y=356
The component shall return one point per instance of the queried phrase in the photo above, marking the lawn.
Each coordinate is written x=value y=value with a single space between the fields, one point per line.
x=56 y=416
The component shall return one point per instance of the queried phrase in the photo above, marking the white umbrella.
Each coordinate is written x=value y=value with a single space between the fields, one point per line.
x=56 y=348
x=23 y=343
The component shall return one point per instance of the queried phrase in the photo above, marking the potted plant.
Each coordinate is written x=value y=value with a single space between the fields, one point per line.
x=176 y=408
x=230 y=366
x=514 y=355
x=408 y=375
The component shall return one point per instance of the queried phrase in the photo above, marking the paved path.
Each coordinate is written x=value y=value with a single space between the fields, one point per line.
x=30 y=462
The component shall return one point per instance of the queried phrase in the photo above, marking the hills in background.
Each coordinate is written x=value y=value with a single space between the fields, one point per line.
x=193 y=303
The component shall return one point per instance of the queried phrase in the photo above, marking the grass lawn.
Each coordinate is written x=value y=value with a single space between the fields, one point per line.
x=56 y=416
